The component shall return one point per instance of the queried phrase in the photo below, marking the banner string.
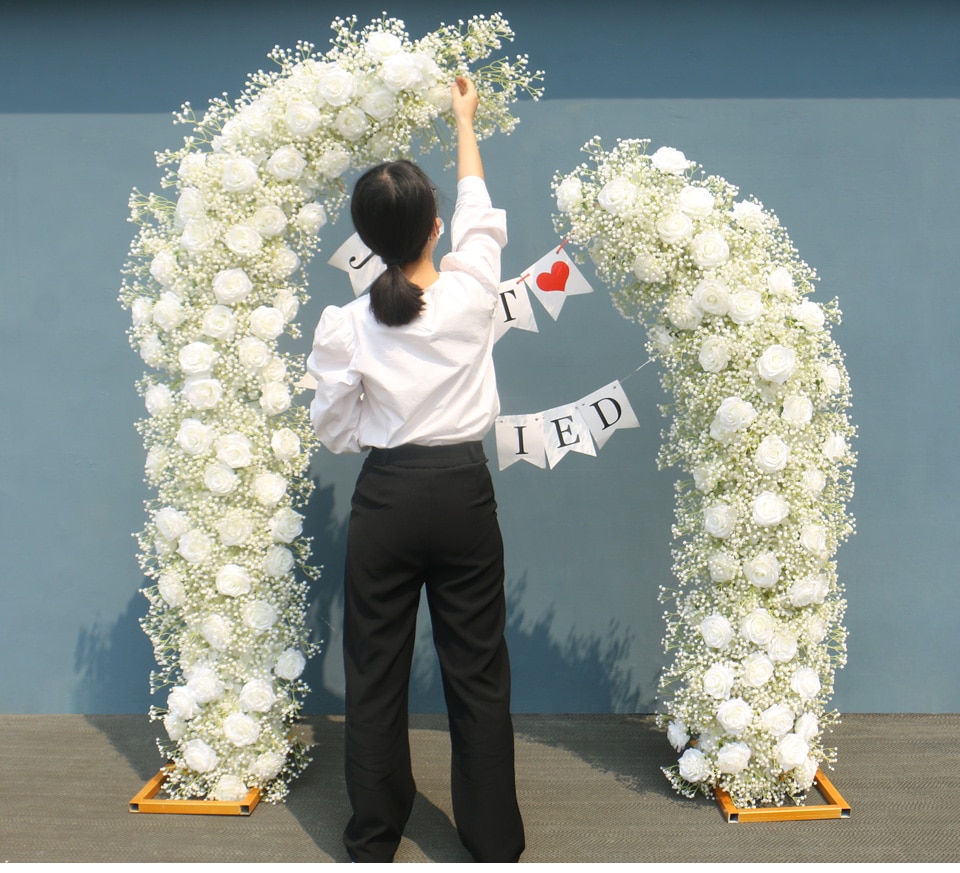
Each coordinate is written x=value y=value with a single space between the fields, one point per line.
x=644 y=364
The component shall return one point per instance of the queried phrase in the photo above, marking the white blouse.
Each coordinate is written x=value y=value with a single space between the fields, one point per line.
x=430 y=382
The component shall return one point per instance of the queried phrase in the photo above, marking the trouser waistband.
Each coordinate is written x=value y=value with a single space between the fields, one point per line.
x=426 y=457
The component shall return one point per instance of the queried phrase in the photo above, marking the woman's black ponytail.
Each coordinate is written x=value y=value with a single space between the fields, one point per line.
x=394 y=206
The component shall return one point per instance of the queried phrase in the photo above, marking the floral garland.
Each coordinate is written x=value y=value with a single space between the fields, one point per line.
x=213 y=281
x=758 y=427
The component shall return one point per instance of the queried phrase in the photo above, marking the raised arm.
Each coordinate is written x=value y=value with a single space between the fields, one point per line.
x=465 y=102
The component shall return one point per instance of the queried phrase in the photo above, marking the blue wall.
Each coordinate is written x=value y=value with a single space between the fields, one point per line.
x=842 y=118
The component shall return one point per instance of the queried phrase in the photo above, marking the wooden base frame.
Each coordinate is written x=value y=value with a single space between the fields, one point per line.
x=835 y=806
x=146 y=801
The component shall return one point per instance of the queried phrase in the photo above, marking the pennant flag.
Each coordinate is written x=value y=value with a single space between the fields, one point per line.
x=362 y=265
x=565 y=431
x=520 y=438
x=607 y=410
x=514 y=309
x=554 y=278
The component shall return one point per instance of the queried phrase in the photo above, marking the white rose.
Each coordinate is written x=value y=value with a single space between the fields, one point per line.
x=233 y=580
x=278 y=561
x=287 y=164
x=735 y=716
x=140 y=311
x=807 y=726
x=285 y=262
x=275 y=398
x=219 y=478
x=809 y=590
x=683 y=312
x=234 y=528
x=163 y=268
x=232 y=286
x=229 y=788
x=240 y=729
x=217 y=631
x=782 y=647
x=694 y=766
x=255 y=118
x=714 y=354
x=758 y=627
x=198 y=235
x=771 y=455
x=197 y=755
x=780 y=282
x=351 y=123
x=695 y=201
x=777 y=363
x=769 y=509
x=723 y=566
x=732 y=758
x=172 y=523
x=204 y=684
x=286 y=525
x=716 y=631
x=267 y=322
x=706 y=477
x=720 y=519
x=712 y=297
x=806 y=773
x=792 y=751
x=170 y=586
x=334 y=162
x=835 y=447
x=290 y=664
x=830 y=374
x=238 y=175
x=813 y=538
x=806 y=683
x=195 y=437
x=718 y=681
x=191 y=166
x=748 y=215
x=813 y=480
x=381 y=44
x=269 y=220
x=809 y=316
x=235 y=450
x=709 y=249
x=301 y=118
x=569 y=194
x=733 y=415
x=269 y=488
x=439 y=97
x=815 y=629
x=797 y=410
x=156 y=462
x=219 y=323
x=777 y=719
x=259 y=616
x=182 y=703
x=289 y=304
x=336 y=86
x=168 y=311
x=617 y=196
x=175 y=726
x=757 y=669
x=762 y=570
x=311 y=217
x=677 y=734
x=649 y=268
x=190 y=206
x=243 y=240
x=674 y=228
x=745 y=306
x=285 y=444
x=202 y=393
x=257 y=696
x=379 y=104
x=671 y=161
x=267 y=766
x=151 y=350
x=195 y=547
x=400 y=72
x=197 y=358
x=253 y=353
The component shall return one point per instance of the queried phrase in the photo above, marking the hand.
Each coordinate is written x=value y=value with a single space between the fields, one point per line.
x=465 y=100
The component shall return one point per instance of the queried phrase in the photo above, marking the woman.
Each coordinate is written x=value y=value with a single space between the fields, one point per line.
x=408 y=373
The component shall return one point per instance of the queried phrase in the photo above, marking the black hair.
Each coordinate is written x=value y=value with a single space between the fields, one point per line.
x=393 y=208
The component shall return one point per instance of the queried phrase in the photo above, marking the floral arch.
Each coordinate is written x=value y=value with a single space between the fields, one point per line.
x=214 y=279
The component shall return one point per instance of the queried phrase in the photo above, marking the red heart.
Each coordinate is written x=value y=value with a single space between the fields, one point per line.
x=556 y=279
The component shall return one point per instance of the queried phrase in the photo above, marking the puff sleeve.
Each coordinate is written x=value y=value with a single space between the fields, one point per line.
x=335 y=409
x=478 y=232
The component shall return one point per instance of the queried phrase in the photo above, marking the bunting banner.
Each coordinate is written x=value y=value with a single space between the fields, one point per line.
x=543 y=438
x=554 y=278
x=514 y=309
x=358 y=262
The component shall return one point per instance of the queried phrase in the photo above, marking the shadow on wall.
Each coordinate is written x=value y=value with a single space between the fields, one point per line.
x=582 y=673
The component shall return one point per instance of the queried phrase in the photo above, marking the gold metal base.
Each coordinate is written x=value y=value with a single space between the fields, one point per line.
x=835 y=807
x=146 y=801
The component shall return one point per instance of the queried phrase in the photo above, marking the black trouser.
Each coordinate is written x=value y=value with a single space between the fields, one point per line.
x=427 y=516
